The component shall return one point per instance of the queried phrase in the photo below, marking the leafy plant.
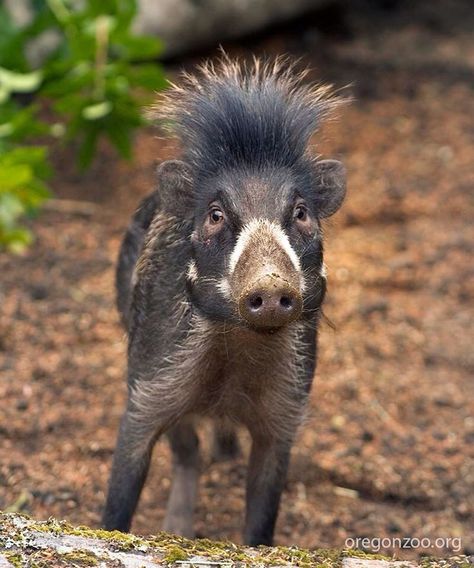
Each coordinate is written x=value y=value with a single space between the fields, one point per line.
x=23 y=169
x=95 y=80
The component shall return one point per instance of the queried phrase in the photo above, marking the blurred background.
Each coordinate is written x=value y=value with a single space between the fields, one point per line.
x=387 y=450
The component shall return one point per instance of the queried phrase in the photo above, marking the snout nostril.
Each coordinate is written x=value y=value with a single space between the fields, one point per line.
x=271 y=304
x=256 y=302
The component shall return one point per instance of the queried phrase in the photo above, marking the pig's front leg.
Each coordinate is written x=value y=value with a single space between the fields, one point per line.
x=129 y=470
x=266 y=478
x=138 y=432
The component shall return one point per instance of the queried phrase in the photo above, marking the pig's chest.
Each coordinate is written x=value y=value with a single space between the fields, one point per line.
x=251 y=375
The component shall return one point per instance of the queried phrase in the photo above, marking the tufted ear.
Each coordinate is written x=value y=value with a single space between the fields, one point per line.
x=330 y=185
x=174 y=187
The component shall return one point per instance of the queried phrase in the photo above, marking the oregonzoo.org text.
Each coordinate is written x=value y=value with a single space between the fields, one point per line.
x=406 y=542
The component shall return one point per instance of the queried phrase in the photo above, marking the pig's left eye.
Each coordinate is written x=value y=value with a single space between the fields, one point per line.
x=300 y=213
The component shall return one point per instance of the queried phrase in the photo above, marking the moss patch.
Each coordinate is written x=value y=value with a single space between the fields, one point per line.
x=14 y=558
x=81 y=558
x=174 y=554
x=121 y=542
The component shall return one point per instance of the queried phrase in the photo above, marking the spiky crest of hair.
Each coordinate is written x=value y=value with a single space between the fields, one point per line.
x=256 y=114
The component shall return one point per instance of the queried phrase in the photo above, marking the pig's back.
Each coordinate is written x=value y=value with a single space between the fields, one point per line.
x=130 y=251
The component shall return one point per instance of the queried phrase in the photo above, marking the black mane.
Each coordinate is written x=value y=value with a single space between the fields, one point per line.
x=235 y=115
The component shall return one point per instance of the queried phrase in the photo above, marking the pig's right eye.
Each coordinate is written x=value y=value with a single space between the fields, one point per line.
x=216 y=216
x=214 y=221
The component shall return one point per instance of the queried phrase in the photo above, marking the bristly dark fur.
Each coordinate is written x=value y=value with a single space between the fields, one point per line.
x=233 y=114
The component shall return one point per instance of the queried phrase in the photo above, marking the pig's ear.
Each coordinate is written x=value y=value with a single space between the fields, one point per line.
x=174 y=187
x=330 y=185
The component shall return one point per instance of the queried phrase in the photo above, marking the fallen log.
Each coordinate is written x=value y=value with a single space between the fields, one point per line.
x=57 y=544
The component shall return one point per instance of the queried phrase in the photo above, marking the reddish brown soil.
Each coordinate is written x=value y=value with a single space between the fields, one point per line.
x=387 y=449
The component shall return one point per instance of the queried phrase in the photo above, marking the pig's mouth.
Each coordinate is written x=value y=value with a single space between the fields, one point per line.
x=265 y=330
x=260 y=331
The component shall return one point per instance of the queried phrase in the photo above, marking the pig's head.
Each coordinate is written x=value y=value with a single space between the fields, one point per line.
x=253 y=194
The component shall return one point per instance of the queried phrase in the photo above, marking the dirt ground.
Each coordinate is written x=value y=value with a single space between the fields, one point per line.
x=387 y=450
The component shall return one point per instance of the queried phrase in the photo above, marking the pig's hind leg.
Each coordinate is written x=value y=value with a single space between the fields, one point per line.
x=184 y=444
x=267 y=470
x=225 y=443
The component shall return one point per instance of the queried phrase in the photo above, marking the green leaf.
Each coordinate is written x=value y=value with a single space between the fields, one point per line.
x=6 y=130
x=17 y=123
x=20 y=82
x=22 y=191
x=70 y=104
x=150 y=76
x=65 y=79
x=103 y=23
x=16 y=240
x=60 y=11
x=11 y=208
x=88 y=147
x=136 y=47
x=13 y=176
x=97 y=111
x=4 y=94
x=34 y=195
x=11 y=42
x=121 y=139
x=34 y=156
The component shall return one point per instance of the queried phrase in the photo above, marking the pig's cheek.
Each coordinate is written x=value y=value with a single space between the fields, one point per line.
x=200 y=238
x=208 y=232
x=205 y=241
x=309 y=228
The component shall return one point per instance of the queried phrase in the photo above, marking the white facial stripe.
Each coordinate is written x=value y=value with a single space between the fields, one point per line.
x=224 y=288
x=283 y=241
x=246 y=236
x=241 y=244
x=192 y=273
x=324 y=270
x=134 y=278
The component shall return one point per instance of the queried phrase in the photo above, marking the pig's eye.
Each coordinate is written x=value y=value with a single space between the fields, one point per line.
x=300 y=213
x=216 y=216
x=214 y=221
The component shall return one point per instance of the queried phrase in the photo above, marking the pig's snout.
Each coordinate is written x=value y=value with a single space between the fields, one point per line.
x=265 y=276
x=271 y=302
